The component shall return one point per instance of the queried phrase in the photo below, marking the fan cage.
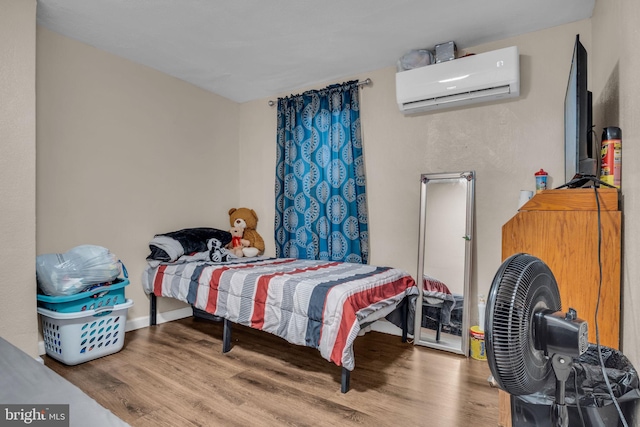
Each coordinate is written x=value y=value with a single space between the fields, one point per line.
x=522 y=286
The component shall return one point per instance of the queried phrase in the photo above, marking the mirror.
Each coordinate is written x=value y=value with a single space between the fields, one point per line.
x=444 y=261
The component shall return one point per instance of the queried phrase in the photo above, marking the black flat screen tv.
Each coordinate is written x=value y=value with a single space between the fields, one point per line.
x=580 y=156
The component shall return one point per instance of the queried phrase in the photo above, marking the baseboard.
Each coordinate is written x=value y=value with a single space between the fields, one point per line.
x=143 y=322
x=168 y=316
x=181 y=313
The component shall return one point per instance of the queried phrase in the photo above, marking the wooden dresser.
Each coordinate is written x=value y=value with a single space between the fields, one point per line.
x=561 y=228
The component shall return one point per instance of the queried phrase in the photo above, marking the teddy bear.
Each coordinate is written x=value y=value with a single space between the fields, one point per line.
x=247 y=219
x=237 y=243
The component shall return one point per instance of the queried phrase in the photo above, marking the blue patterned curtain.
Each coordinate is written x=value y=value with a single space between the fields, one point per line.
x=321 y=205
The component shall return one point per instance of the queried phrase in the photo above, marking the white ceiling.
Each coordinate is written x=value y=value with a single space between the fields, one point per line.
x=252 y=49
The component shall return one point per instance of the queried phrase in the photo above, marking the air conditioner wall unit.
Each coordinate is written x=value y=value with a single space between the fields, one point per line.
x=471 y=79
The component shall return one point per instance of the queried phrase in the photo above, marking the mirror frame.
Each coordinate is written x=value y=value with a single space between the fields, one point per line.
x=424 y=180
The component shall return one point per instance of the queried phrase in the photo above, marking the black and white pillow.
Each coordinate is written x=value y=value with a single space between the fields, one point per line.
x=169 y=247
x=217 y=251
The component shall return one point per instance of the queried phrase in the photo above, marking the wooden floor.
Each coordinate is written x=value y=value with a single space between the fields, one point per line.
x=175 y=374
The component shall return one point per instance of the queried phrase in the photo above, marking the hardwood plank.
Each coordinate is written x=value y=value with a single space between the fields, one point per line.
x=175 y=374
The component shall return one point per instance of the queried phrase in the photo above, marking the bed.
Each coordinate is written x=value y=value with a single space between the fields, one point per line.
x=319 y=304
x=441 y=309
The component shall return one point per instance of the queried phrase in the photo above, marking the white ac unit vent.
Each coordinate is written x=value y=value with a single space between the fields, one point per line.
x=471 y=79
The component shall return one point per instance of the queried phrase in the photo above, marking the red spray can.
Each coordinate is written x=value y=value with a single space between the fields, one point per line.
x=611 y=156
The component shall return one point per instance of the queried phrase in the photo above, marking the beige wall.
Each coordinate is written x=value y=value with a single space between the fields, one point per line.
x=125 y=152
x=629 y=94
x=505 y=143
x=616 y=92
x=18 y=318
x=112 y=138
x=445 y=225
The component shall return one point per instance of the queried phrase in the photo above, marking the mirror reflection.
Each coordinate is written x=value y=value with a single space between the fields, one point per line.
x=444 y=261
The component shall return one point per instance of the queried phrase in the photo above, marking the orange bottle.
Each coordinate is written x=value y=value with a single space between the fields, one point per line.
x=611 y=154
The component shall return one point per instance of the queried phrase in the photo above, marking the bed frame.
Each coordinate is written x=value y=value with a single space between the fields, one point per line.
x=226 y=333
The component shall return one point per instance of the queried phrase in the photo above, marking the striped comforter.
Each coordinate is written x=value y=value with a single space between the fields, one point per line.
x=318 y=304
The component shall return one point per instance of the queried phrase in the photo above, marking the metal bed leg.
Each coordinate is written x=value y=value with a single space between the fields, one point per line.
x=226 y=336
x=346 y=376
x=152 y=310
x=405 y=317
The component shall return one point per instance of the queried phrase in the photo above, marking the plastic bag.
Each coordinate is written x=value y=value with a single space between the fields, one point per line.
x=415 y=59
x=621 y=374
x=76 y=269
x=592 y=386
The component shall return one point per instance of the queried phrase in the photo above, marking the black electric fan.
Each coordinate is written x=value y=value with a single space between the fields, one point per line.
x=527 y=336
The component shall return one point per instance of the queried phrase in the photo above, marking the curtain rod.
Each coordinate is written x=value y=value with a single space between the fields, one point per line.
x=365 y=82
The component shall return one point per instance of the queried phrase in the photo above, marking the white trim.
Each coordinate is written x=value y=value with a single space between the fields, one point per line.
x=143 y=322
x=381 y=325
x=168 y=316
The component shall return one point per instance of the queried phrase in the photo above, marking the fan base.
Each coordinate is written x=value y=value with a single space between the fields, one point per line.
x=526 y=414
